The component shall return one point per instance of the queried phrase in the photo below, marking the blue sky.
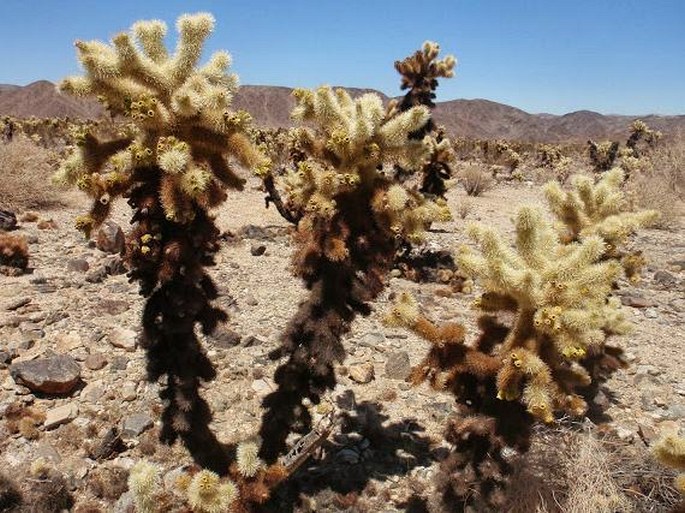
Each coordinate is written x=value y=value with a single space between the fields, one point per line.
x=557 y=56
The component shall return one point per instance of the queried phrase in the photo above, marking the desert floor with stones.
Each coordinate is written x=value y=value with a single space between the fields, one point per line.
x=75 y=317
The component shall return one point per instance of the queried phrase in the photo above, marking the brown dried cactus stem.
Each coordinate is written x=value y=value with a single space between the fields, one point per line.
x=168 y=259
x=339 y=290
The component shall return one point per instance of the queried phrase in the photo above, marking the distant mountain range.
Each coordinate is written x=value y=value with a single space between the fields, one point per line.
x=271 y=105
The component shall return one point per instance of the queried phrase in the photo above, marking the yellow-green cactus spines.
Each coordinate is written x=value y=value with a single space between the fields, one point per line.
x=670 y=451
x=600 y=209
x=179 y=111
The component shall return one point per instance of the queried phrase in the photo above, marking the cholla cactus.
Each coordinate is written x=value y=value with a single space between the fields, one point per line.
x=354 y=217
x=208 y=493
x=602 y=155
x=173 y=166
x=420 y=73
x=549 y=360
x=639 y=131
x=599 y=209
x=670 y=451
x=145 y=484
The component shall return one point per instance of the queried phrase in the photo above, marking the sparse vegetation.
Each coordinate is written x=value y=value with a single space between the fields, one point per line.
x=25 y=168
x=361 y=182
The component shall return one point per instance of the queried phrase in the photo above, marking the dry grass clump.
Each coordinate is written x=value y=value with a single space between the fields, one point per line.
x=659 y=183
x=465 y=208
x=25 y=171
x=475 y=178
x=571 y=471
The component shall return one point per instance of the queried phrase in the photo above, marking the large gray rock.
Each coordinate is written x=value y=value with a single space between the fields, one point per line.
x=53 y=375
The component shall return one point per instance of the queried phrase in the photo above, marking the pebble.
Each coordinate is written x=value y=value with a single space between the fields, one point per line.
x=135 y=425
x=78 y=265
x=60 y=415
x=128 y=392
x=123 y=338
x=95 y=361
x=257 y=249
x=362 y=373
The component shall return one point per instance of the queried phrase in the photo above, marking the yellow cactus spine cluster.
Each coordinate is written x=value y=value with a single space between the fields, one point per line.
x=559 y=293
x=356 y=137
x=670 y=451
x=599 y=209
x=145 y=483
x=179 y=115
x=208 y=493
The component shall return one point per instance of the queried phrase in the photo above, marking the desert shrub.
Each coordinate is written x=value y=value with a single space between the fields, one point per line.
x=475 y=179
x=464 y=208
x=25 y=169
x=658 y=180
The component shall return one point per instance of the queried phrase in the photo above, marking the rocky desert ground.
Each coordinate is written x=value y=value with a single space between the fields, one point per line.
x=74 y=398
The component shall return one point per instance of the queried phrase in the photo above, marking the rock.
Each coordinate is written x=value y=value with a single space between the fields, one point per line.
x=78 y=265
x=112 y=306
x=636 y=301
x=225 y=338
x=362 y=373
x=110 y=444
x=665 y=279
x=110 y=237
x=61 y=415
x=46 y=224
x=625 y=434
x=53 y=375
x=257 y=249
x=676 y=412
x=8 y=220
x=601 y=400
x=97 y=275
x=68 y=342
x=250 y=300
x=251 y=341
x=651 y=313
x=135 y=425
x=677 y=265
x=15 y=304
x=262 y=386
x=128 y=392
x=119 y=363
x=123 y=338
x=31 y=331
x=647 y=433
x=114 y=265
x=95 y=361
x=397 y=366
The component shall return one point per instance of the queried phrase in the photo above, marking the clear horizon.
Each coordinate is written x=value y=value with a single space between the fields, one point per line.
x=613 y=57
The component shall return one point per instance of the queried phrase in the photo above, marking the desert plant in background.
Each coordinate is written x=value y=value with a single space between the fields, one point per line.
x=601 y=209
x=24 y=166
x=642 y=139
x=420 y=73
x=548 y=360
x=475 y=178
x=602 y=155
x=355 y=215
x=657 y=180
x=173 y=166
